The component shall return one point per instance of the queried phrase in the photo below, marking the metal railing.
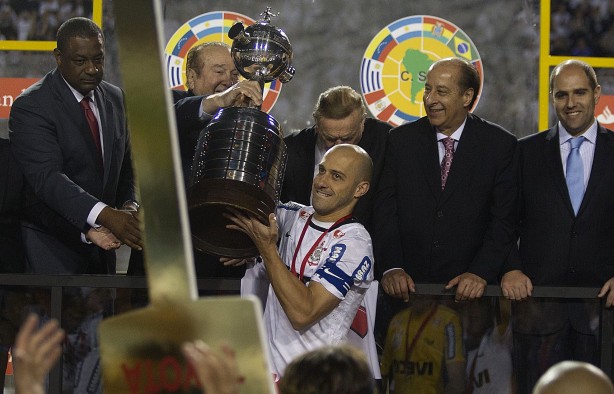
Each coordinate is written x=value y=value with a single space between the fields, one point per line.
x=57 y=284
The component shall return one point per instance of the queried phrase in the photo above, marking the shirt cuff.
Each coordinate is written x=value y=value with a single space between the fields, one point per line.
x=91 y=219
x=391 y=269
x=202 y=115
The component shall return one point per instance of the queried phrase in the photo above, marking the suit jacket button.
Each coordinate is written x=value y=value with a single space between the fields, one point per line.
x=439 y=214
x=574 y=234
x=436 y=244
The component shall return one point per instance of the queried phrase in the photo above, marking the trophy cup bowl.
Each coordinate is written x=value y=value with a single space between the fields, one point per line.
x=240 y=158
x=261 y=52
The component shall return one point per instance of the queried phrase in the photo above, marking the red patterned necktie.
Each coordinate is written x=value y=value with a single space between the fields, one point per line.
x=446 y=163
x=93 y=123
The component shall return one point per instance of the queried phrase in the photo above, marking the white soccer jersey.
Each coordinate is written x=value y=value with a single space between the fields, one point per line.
x=340 y=258
x=490 y=365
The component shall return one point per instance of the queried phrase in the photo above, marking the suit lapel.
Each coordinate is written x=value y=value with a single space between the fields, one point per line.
x=552 y=159
x=67 y=100
x=602 y=160
x=430 y=163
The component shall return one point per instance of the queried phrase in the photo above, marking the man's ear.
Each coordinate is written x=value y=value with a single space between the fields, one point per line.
x=190 y=76
x=597 y=93
x=467 y=97
x=361 y=189
x=58 y=56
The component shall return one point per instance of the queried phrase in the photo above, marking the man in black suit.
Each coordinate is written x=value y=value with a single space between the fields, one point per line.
x=447 y=197
x=565 y=235
x=340 y=118
x=213 y=83
x=69 y=136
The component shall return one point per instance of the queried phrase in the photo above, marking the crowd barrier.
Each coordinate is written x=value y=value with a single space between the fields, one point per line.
x=72 y=299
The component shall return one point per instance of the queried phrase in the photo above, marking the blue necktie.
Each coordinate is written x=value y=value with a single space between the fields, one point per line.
x=575 y=173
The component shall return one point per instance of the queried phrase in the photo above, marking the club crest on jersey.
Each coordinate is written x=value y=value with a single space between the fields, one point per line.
x=338 y=234
x=305 y=215
x=314 y=259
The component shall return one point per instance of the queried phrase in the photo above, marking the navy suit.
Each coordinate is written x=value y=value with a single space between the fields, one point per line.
x=435 y=235
x=298 y=179
x=52 y=143
x=559 y=248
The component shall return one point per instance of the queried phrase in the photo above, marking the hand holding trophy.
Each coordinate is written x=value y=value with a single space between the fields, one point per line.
x=241 y=156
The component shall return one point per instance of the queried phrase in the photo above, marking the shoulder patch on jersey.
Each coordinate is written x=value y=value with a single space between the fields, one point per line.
x=335 y=254
x=363 y=269
x=338 y=234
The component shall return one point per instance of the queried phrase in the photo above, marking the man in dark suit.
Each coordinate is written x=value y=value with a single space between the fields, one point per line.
x=565 y=233
x=69 y=136
x=340 y=118
x=447 y=197
x=213 y=83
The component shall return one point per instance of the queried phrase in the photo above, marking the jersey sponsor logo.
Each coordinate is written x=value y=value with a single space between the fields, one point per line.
x=335 y=254
x=482 y=378
x=208 y=27
x=327 y=271
x=363 y=269
x=394 y=66
x=338 y=234
x=403 y=367
x=336 y=277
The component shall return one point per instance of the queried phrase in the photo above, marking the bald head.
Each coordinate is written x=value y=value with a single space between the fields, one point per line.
x=344 y=174
x=574 y=377
x=362 y=163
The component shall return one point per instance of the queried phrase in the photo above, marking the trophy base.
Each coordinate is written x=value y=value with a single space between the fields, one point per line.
x=209 y=199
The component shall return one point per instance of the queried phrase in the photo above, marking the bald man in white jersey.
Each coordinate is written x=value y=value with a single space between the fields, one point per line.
x=324 y=264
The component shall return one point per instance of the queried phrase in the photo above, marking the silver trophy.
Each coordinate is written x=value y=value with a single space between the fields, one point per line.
x=262 y=52
x=240 y=158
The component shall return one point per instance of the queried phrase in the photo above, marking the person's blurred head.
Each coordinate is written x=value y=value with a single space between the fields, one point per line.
x=339 y=116
x=574 y=377
x=80 y=54
x=451 y=88
x=210 y=69
x=344 y=175
x=575 y=93
x=333 y=369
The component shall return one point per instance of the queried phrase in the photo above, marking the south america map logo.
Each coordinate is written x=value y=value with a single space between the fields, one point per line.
x=207 y=27
x=394 y=66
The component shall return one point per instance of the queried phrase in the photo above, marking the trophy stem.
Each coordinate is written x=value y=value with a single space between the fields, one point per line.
x=261 y=83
